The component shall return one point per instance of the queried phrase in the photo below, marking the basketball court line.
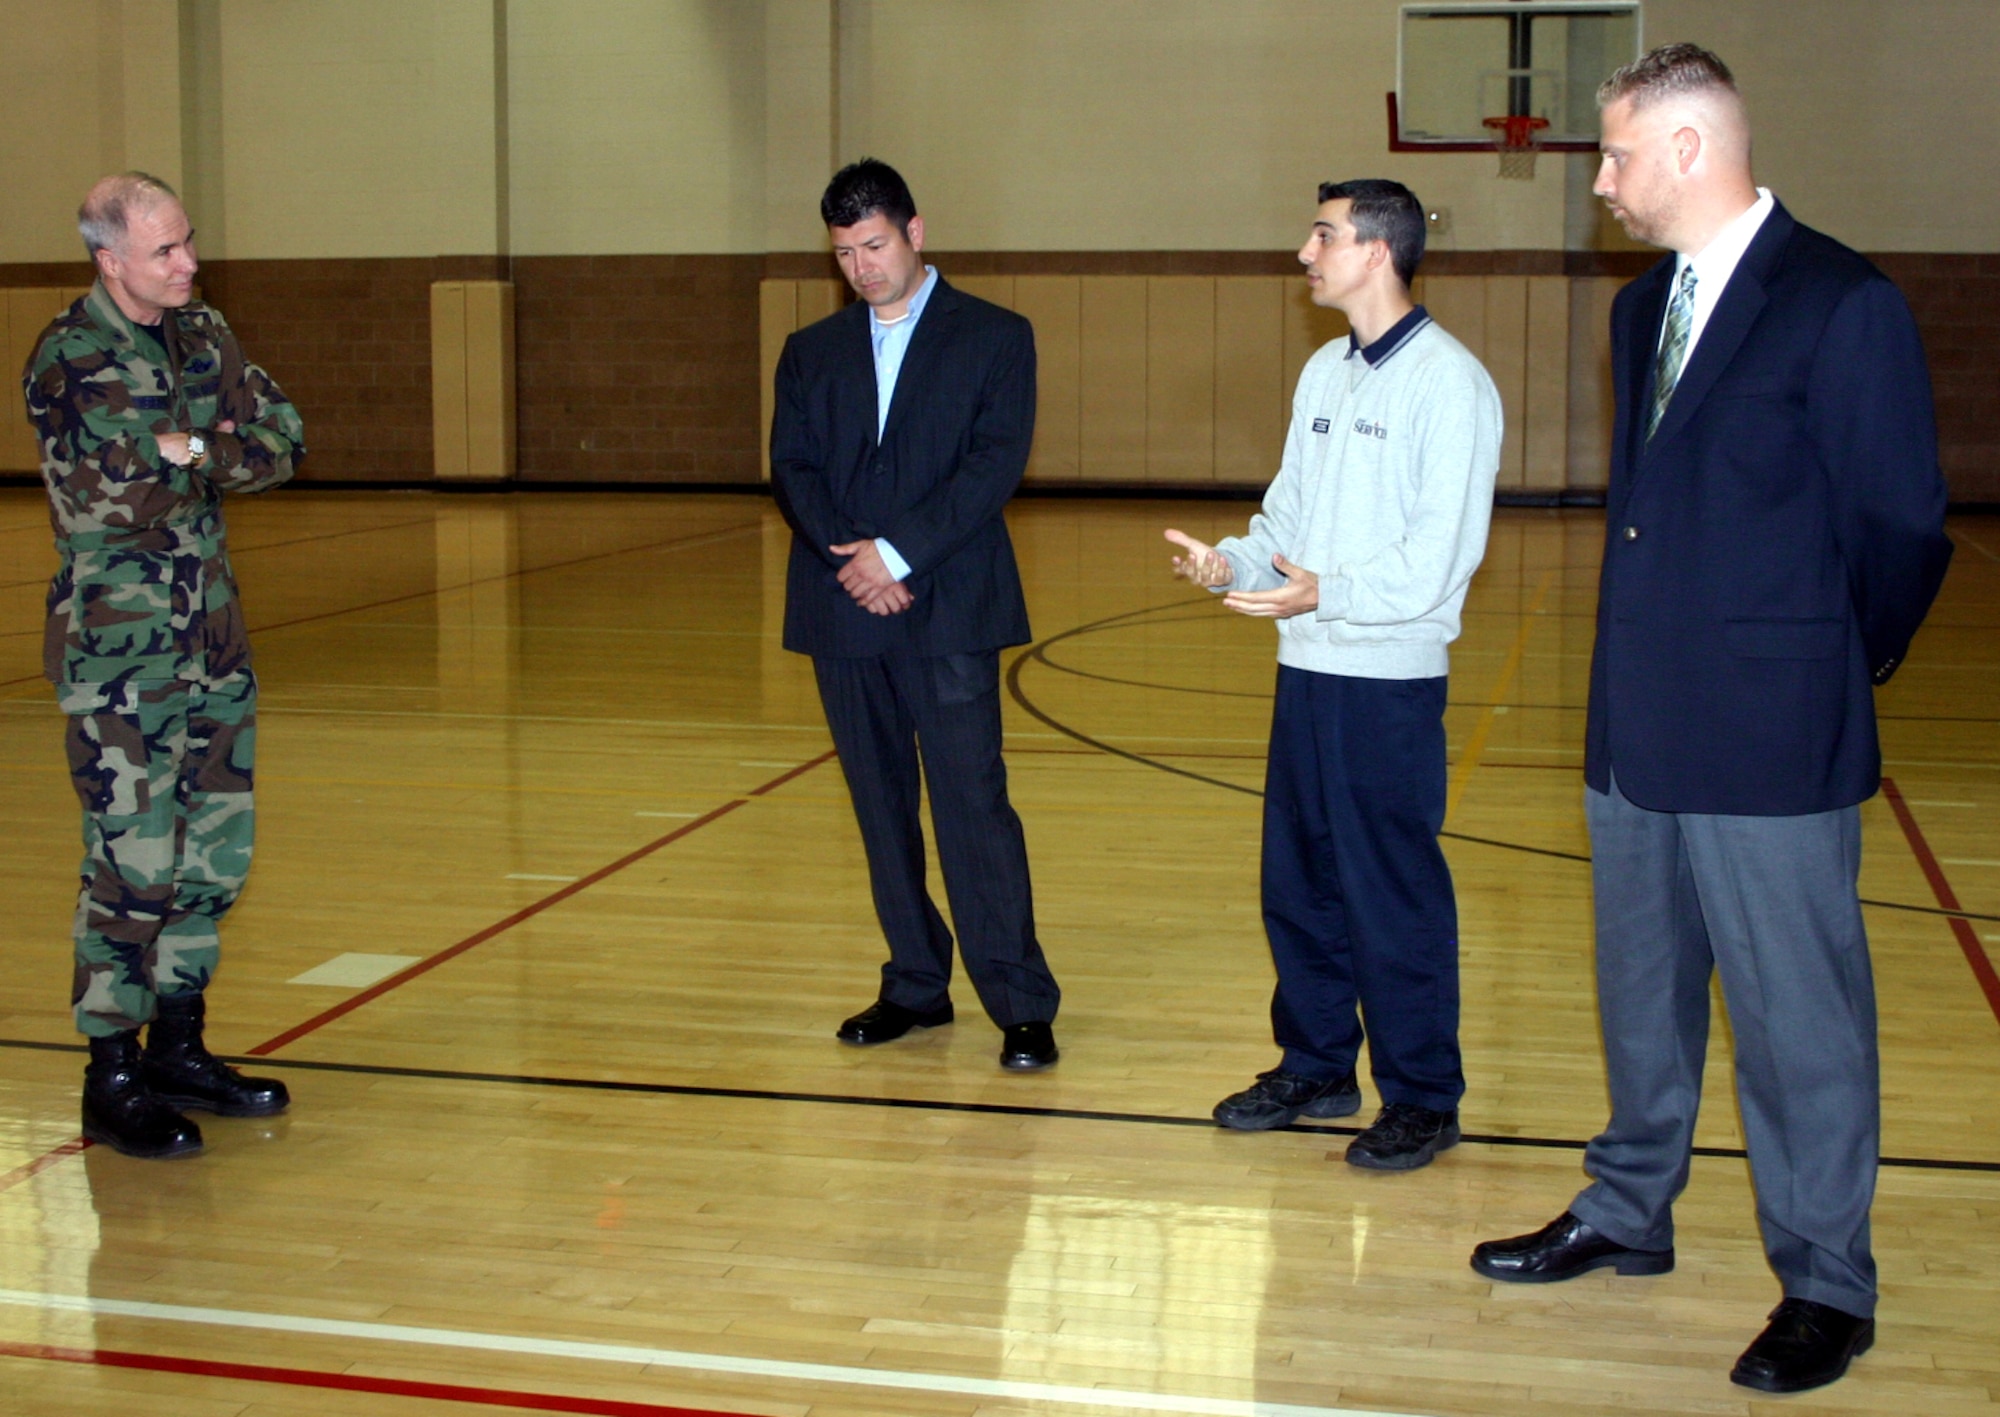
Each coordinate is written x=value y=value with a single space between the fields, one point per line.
x=351 y=1382
x=262 y=546
x=528 y=912
x=1968 y=941
x=676 y=543
x=926 y=1104
x=1475 y=744
x=1038 y=652
x=679 y=1360
x=450 y=952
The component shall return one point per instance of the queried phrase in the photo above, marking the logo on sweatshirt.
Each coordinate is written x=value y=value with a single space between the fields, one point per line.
x=1322 y=425
x=1371 y=430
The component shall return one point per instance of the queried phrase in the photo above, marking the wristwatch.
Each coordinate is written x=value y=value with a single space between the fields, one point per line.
x=197 y=447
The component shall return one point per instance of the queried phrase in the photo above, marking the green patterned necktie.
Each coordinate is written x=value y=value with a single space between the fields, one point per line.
x=1673 y=348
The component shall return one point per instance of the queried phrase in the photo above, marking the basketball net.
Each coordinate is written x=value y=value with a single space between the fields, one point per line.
x=1514 y=137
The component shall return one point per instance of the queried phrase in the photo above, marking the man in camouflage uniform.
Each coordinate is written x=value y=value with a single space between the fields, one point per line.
x=147 y=412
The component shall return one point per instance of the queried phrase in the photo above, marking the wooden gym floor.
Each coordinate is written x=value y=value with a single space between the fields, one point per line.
x=558 y=900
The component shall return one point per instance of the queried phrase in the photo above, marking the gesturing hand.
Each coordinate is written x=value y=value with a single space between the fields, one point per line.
x=1296 y=596
x=1203 y=564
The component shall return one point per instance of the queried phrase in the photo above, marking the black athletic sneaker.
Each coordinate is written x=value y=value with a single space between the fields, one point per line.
x=1279 y=1098
x=1403 y=1137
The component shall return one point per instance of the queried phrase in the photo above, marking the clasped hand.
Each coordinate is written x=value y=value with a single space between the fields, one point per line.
x=1205 y=566
x=866 y=577
x=174 y=446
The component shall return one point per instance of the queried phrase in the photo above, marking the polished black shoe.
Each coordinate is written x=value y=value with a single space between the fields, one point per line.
x=1279 y=1098
x=179 y=1069
x=1563 y=1249
x=1403 y=1137
x=1806 y=1345
x=1027 y=1047
x=122 y=1113
x=884 y=1022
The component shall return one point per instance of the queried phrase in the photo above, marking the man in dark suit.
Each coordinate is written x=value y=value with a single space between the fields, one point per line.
x=902 y=429
x=1774 y=538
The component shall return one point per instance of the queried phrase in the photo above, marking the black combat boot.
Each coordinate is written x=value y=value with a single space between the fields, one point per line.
x=120 y=1111
x=180 y=1070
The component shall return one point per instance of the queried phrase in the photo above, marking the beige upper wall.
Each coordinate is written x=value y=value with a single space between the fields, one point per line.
x=637 y=125
x=86 y=87
x=363 y=128
x=1858 y=108
x=1139 y=124
x=370 y=127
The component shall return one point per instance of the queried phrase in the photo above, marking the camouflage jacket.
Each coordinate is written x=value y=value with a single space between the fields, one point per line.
x=144 y=589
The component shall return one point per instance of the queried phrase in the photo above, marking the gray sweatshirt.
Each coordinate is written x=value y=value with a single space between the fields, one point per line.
x=1385 y=493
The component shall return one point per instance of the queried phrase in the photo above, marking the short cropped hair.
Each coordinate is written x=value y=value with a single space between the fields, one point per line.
x=103 y=217
x=1670 y=71
x=1384 y=211
x=867 y=188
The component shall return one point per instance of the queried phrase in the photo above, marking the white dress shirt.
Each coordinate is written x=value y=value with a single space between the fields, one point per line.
x=891 y=342
x=1716 y=263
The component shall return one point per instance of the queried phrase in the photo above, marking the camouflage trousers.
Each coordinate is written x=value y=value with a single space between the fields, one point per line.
x=163 y=770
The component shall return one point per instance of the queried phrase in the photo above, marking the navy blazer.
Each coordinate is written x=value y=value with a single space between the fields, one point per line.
x=951 y=455
x=1774 y=546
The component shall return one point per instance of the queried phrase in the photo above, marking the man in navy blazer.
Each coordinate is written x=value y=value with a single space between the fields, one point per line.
x=1774 y=539
x=901 y=431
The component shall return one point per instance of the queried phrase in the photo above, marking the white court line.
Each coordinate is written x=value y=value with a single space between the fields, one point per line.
x=537 y=876
x=666 y=814
x=1967 y=861
x=355 y=971
x=671 y=1358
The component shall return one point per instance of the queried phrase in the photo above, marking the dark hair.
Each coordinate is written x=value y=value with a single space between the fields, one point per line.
x=1666 y=72
x=1384 y=211
x=867 y=188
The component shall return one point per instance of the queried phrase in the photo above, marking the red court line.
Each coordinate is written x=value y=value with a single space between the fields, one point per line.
x=1968 y=940
x=29 y=1169
x=349 y=1382
x=424 y=966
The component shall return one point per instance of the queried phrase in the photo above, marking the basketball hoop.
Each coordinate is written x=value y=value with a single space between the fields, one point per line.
x=1514 y=136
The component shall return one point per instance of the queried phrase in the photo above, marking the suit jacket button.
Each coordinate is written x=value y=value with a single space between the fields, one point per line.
x=1631 y=533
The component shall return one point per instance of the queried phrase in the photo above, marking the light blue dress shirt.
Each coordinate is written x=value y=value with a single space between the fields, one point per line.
x=891 y=343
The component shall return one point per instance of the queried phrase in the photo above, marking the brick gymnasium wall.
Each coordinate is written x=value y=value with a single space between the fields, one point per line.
x=645 y=368
x=629 y=368
x=638 y=368
x=1956 y=299
x=349 y=340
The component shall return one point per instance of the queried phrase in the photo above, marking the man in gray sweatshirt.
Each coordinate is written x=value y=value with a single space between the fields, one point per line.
x=1367 y=540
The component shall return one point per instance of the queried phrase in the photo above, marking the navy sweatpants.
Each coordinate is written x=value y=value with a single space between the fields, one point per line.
x=1358 y=900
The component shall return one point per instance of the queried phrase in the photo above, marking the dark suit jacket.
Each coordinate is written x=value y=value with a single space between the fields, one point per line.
x=1774 y=545
x=951 y=454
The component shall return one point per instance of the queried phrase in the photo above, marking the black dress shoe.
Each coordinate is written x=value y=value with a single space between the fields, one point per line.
x=119 y=1110
x=1027 y=1047
x=1403 y=1137
x=1563 y=1249
x=884 y=1022
x=180 y=1071
x=1805 y=1345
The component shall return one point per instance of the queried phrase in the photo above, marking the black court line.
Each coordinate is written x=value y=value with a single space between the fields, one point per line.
x=1038 y=652
x=269 y=546
x=519 y=572
x=918 y=1104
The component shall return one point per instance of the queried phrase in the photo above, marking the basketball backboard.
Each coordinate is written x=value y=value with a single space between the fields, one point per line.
x=1464 y=68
